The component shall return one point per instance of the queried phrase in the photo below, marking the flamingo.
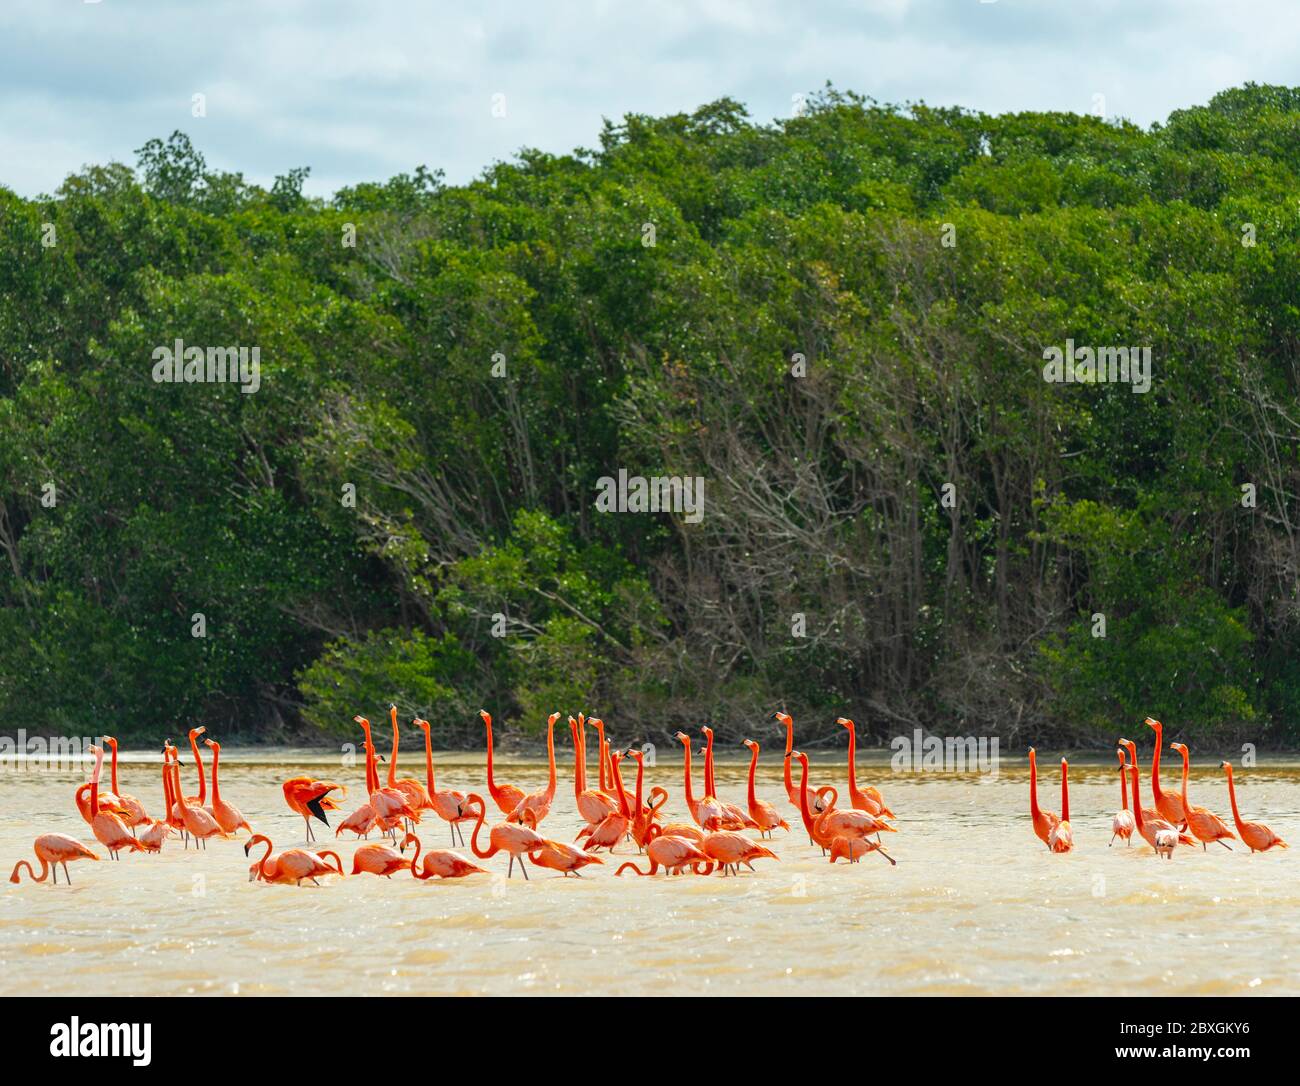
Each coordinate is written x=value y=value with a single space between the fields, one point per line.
x=681 y=829
x=506 y=796
x=593 y=805
x=131 y=810
x=1255 y=835
x=376 y=859
x=363 y=819
x=851 y=848
x=1148 y=827
x=1202 y=823
x=732 y=817
x=612 y=828
x=850 y=823
x=440 y=862
x=602 y=749
x=311 y=798
x=867 y=799
x=817 y=801
x=449 y=806
x=290 y=866
x=1044 y=821
x=391 y=804
x=1168 y=804
x=762 y=813
x=201 y=800
x=417 y=798
x=159 y=828
x=706 y=811
x=563 y=857
x=53 y=849
x=731 y=849
x=669 y=851
x=198 y=822
x=110 y=830
x=1122 y=824
x=540 y=802
x=226 y=814
x=516 y=838
x=644 y=814
x=1061 y=839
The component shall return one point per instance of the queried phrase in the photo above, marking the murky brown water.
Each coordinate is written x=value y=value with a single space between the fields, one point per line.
x=976 y=904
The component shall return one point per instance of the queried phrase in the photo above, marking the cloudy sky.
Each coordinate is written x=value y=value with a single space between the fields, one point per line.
x=363 y=89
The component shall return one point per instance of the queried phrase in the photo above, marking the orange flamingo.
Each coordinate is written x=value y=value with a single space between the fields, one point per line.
x=363 y=819
x=159 y=829
x=109 y=830
x=506 y=796
x=563 y=857
x=866 y=799
x=817 y=801
x=1150 y=829
x=732 y=817
x=417 y=798
x=1044 y=821
x=1122 y=824
x=612 y=828
x=516 y=838
x=130 y=809
x=53 y=849
x=1061 y=839
x=311 y=798
x=851 y=848
x=290 y=866
x=693 y=805
x=1254 y=835
x=1168 y=804
x=731 y=849
x=201 y=800
x=440 y=862
x=850 y=823
x=593 y=805
x=376 y=859
x=226 y=814
x=669 y=851
x=762 y=813
x=198 y=822
x=540 y=802
x=448 y=805
x=602 y=749
x=644 y=814
x=391 y=805
x=1203 y=824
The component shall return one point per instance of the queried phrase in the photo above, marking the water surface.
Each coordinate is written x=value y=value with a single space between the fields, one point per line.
x=975 y=906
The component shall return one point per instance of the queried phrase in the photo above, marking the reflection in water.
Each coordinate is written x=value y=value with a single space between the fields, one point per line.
x=975 y=905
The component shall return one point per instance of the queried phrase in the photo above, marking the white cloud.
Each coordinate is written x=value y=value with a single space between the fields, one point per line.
x=360 y=91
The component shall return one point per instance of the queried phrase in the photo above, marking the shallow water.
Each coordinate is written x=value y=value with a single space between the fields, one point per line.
x=976 y=904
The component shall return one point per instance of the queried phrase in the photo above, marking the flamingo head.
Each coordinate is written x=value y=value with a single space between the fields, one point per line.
x=784 y=718
x=487 y=717
x=550 y=720
x=422 y=724
x=683 y=738
x=196 y=732
x=212 y=745
x=750 y=744
x=109 y=741
x=1152 y=723
x=844 y=721
x=1180 y=747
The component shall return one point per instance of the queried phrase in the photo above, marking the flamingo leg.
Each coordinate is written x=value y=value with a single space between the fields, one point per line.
x=522 y=867
x=511 y=869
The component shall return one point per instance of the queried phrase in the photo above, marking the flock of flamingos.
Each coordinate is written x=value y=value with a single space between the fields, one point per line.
x=712 y=840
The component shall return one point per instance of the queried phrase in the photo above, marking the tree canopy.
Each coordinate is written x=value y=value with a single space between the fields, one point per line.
x=838 y=321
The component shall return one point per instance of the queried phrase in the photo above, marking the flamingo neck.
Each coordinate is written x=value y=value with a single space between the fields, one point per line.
x=710 y=788
x=753 y=765
x=853 y=761
x=1137 y=803
x=1186 y=767
x=690 y=795
x=789 y=746
x=216 y=756
x=1155 y=765
x=550 y=757
x=1232 y=798
x=392 y=764
x=1123 y=787
x=1033 y=786
x=198 y=766
x=428 y=769
x=1065 y=793
x=114 y=770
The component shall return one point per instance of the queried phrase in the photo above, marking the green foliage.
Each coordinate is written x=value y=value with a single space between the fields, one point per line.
x=404 y=511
